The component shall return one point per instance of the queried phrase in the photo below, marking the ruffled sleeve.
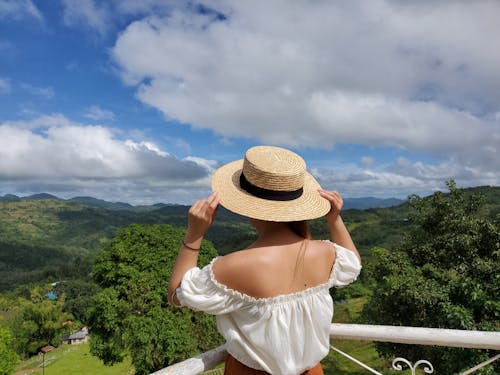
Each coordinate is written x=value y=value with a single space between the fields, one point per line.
x=200 y=292
x=346 y=268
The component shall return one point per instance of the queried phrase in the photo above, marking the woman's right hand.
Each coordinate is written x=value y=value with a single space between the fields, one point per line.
x=201 y=216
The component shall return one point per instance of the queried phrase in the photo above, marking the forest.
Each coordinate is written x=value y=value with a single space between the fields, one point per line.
x=429 y=261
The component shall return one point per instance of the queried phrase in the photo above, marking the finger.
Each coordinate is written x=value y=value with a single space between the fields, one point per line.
x=198 y=208
x=327 y=195
x=324 y=193
x=334 y=198
x=208 y=209
x=331 y=194
x=214 y=199
x=194 y=207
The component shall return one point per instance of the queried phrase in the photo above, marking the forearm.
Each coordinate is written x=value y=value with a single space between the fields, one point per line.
x=340 y=235
x=186 y=259
x=201 y=215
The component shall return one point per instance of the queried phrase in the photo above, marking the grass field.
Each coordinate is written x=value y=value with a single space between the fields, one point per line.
x=72 y=360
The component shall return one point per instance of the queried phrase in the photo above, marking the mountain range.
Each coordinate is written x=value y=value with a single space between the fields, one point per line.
x=43 y=237
x=349 y=203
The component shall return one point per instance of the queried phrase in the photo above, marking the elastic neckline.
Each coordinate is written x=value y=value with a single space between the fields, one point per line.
x=270 y=300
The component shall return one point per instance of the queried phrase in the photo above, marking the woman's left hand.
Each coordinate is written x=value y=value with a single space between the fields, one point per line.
x=336 y=203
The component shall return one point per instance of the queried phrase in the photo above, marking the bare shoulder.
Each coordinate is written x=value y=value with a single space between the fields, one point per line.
x=319 y=261
x=231 y=267
x=230 y=261
x=322 y=250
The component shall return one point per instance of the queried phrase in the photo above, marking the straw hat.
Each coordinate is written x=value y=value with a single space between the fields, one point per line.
x=272 y=184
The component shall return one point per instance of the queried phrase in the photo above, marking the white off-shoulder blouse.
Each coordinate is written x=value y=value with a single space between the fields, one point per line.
x=286 y=334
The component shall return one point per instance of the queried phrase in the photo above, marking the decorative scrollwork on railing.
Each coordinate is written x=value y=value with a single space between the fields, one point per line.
x=427 y=366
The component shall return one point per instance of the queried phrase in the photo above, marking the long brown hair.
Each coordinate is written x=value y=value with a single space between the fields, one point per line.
x=300 y=228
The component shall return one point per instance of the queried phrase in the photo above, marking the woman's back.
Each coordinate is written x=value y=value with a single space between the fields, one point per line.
x=268 y=270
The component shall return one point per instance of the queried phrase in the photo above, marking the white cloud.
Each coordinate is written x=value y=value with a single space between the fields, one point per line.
x=88 y=14
x=401 y=178
x=44 y=92
x=279 y=78
x=4 y=86
x=73 y=66
x=19 y=9
x=179 y=143
x=367 y=160
x=103 y=16
x=316 y=74
x=53 y=148
x=97 y=113
x=414 y=125
x=210 y=165
x=420 y=76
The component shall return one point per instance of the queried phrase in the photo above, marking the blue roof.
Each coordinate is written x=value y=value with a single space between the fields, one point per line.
x=51 y=295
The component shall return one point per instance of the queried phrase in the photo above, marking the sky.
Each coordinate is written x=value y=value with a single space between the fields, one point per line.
x=140 y=101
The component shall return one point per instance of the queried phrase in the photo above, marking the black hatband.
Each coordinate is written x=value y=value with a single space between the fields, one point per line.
x=273 y=195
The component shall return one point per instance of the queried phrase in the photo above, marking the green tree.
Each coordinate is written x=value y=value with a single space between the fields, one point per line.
x=8 y=357
x=36 y=322
x=78 y=297
x=130 y=313
x=444 y=274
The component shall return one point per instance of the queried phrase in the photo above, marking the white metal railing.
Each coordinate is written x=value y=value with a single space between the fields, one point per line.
x=363 y=332
x=417 y=335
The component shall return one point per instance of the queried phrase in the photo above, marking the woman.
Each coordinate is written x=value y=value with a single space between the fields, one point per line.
x=271 y=299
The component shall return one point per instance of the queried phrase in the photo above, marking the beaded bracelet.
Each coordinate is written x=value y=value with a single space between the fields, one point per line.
x=189 y=247
x=174 y=294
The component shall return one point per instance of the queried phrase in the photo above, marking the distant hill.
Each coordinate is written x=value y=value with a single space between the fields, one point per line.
x=9 y=198
x=90 y=201
x=40 y=196
x=53 y=239
x=87 y=201
x=371 y=202
x=33 y=197
x=356 y=203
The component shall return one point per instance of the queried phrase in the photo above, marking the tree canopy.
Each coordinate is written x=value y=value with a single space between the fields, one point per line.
x=8 y=357
x=36 y=322
x=444 y=274
x=131 y=314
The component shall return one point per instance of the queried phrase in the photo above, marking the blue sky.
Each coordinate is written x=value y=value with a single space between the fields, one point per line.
x=140 y=101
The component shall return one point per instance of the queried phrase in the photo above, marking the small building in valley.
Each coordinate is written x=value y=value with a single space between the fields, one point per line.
x=79 y=337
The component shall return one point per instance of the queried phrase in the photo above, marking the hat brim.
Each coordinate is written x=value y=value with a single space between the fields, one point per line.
x=310 y=205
